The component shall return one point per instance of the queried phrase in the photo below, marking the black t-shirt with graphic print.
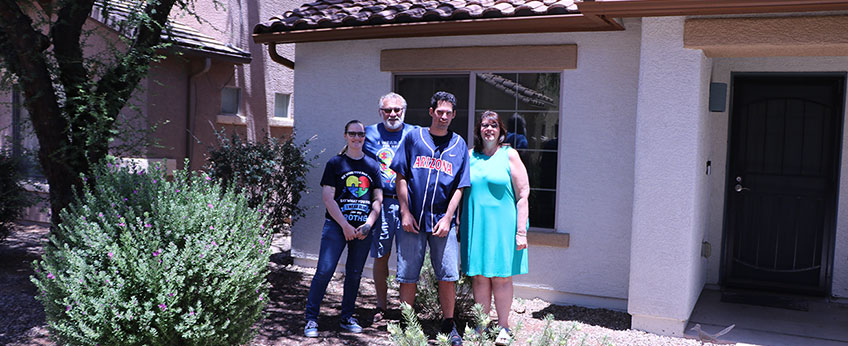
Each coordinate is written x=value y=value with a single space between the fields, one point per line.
x=355 y=181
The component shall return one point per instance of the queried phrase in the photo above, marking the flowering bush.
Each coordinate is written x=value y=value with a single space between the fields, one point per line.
x=141 y=260
x=272 y=173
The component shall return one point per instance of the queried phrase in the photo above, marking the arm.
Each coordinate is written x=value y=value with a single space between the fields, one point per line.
x=376 y=206
x=327 y=194
x=442 y=227
x=521 y=186
x=407 y=220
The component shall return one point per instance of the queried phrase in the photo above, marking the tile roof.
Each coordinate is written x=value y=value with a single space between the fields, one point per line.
x=351 y=13
x=181 y=35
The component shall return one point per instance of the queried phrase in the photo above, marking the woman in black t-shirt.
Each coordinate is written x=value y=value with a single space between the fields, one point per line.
x=352 y=192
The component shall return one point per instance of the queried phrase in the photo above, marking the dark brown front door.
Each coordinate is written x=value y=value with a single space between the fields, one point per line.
x=782 y=179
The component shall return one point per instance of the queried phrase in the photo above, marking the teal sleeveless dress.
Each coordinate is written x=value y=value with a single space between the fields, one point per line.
x=489 y=218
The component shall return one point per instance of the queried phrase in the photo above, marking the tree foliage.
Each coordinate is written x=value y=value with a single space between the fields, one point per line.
x=75 y=99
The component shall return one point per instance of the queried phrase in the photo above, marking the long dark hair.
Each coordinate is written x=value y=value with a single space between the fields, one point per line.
x=347 y=126
x=478 y=137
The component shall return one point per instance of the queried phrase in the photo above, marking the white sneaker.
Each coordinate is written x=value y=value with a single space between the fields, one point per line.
x=311 y=329
x=504 y=337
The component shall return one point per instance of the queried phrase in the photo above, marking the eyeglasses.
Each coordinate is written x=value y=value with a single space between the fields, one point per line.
x=391 y=110
x=489 y=125
x=356 y=133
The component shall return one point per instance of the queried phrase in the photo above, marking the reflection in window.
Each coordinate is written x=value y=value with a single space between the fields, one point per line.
x=418 y=89
x=529 y=105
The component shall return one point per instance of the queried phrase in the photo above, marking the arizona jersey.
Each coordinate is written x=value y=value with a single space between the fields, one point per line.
x=432 y=173
x=382 y=144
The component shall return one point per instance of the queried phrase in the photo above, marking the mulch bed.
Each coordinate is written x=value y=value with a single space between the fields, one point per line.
x=22 y=319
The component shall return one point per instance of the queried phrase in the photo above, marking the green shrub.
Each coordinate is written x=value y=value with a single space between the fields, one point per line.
x=272 y=173
x=13 y=197
x=143 y=261
x=427 y=294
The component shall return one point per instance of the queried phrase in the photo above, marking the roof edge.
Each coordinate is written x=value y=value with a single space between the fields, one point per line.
x=656 y=8
x=512 y=25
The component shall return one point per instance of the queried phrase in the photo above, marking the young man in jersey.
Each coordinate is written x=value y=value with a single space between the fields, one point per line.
x=381 y=142
x=432 y=169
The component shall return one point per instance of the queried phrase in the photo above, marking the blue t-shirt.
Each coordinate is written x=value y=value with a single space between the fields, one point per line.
x=355 y=181
x=432 y=173
x=381 y=144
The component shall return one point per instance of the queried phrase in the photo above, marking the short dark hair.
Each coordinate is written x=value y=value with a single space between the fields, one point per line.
x=442 y=96
x=478 y=136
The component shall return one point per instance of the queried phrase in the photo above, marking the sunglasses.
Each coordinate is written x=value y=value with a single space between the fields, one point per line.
x=391 y=110
x=356 y=133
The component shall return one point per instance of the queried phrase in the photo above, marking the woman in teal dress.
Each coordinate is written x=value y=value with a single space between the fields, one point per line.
x=493 y=229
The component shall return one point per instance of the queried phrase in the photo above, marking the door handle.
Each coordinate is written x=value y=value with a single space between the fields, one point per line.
x=740 y=188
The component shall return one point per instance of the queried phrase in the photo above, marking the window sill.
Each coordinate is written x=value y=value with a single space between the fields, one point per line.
x=548 y=238
x=231 y=119
x=280 y=122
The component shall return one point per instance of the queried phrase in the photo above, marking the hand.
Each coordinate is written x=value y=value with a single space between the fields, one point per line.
x=520 y=240
x=442 y=228
x=363 y=231
x=408 y=222
x=349 y=231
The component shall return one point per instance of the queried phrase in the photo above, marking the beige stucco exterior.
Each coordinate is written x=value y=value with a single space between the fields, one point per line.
x=634 y=195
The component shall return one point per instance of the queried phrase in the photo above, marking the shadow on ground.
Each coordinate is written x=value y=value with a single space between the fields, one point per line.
x=615 y=320
x=21 y=316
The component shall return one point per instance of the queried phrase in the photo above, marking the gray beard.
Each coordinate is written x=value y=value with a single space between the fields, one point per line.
x=397 y=125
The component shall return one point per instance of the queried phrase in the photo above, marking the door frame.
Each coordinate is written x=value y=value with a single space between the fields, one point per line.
x=831 y=218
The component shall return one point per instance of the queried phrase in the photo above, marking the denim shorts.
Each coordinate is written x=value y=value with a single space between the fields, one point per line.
x=444 y=255
x=389 y=226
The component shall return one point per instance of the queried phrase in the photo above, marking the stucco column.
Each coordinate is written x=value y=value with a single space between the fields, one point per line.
x=670 y=193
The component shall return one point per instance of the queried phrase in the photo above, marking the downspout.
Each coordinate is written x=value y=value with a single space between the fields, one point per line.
x=190 y=110
x=272 y=51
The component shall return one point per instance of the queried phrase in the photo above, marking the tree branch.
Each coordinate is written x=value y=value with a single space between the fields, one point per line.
x=65 y=34
x=118 y=83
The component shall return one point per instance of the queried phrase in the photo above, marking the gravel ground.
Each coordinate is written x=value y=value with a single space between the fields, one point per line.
x=22 y=320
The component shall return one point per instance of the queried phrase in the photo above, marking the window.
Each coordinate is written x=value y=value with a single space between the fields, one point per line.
x=527 y=102
x=281 y=105
x=230 y=100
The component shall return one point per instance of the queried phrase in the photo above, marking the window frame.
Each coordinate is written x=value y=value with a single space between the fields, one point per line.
x=238 y=101
x=472 y=115
x=288 y=114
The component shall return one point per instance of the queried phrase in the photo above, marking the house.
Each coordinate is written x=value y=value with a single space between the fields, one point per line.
x=673 y=146
x=213 y=77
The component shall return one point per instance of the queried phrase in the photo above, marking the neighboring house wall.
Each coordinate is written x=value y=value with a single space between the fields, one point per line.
x=231 y=21
x=597 y=132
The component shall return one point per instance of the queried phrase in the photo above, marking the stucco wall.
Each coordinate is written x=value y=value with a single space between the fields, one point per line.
x=722 y=69
x=339 y=81
x=671 y=193
x=232 y=22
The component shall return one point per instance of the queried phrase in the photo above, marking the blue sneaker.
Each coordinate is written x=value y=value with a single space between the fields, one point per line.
x=350 y=324
x=311 y=329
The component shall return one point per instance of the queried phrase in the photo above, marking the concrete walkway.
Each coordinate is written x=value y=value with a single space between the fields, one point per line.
x=825 y=323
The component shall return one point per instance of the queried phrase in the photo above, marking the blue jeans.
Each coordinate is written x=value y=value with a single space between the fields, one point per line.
x=332 y=244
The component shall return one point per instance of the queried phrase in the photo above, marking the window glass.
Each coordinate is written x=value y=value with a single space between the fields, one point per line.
x=528 y=103
x=281 y=105
x=230 y=100
x=418 y=89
